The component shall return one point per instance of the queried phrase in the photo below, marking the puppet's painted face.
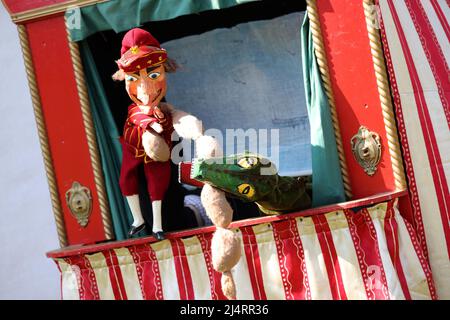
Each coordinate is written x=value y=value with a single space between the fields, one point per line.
x=147 y=87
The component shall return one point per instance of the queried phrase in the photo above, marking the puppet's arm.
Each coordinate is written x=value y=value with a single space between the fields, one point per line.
x=155 y=146
x=225 y=246
x=190 y=127
x=145 y=121
x=186 y=125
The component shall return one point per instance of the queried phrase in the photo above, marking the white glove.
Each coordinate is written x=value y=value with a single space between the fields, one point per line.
x=155 y=146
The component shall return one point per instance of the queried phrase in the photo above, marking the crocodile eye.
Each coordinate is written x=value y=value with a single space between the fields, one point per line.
x=246 y=190
x=247 y=162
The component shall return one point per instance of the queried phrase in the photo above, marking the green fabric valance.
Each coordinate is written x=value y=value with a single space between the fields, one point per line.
x=111 y=15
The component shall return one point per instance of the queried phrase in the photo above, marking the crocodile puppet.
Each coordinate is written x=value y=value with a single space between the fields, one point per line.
x=249 y=177
x=253 y=178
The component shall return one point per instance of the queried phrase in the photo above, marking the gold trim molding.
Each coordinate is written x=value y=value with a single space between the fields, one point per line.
x=385 y=96
x=43 y=138
x=49 y=10
x=321 y=57
x=90 y=136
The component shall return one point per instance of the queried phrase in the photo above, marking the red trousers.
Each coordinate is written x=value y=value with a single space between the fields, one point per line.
x=156 y=173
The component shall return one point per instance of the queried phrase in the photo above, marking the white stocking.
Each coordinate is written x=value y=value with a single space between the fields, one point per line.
x=157 y=225
x=135 y=207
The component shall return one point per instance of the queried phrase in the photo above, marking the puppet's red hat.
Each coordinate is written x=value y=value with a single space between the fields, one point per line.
x=140 y=50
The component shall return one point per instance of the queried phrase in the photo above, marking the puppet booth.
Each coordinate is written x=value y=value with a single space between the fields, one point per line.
x=350 y=97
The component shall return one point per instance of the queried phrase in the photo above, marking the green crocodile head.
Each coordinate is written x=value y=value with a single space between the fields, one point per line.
x=247 y=176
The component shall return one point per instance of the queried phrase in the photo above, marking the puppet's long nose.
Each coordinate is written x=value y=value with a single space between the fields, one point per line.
x=147 y=91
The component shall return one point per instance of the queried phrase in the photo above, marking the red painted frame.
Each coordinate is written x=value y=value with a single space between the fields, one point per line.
x=64 y=122
x=18 y=6
x=355 y=88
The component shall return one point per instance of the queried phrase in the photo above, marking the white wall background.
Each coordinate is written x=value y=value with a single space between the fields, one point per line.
x=27 y=228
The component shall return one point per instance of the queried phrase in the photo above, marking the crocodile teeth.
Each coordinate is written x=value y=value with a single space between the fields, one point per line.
x=194 y=161
x=179 y=172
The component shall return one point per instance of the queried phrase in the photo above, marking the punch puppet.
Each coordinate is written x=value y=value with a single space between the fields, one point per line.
x=146 y=138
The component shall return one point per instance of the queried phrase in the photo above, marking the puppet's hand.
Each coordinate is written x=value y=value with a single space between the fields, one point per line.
x=225 y=245
x=155 y=147
x=216 y=206
x=157 y=127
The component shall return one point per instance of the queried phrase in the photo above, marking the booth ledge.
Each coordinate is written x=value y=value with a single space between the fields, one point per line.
x=368 y=201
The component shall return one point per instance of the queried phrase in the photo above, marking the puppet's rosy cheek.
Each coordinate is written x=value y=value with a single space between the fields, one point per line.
x=131 y=89
x=162 y=83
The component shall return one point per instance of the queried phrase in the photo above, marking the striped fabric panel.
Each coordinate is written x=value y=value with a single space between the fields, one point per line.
x=351 y=256
x=170 y=280
x=253 y=259
x=95 y=266
x=291 y=259
x=269 y=262
x=214 y=276
x=416 y=41
x=439 y=24
x=390 y=267
x=371 y=254
x=417 y=270
x=184 y=277
x=433 y=51
x=243 y=272
x=393 y=248
x=129 y=274
x=147 y=270
x=198 y=269
x=327 y=245
x=69 y=281
x=315 y=267
x=115 y=275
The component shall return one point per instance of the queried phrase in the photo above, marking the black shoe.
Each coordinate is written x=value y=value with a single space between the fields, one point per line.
x=158 y=235
x=135 y=230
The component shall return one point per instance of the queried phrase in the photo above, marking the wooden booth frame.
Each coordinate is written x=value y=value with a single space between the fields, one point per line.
x=43 y=137
x=389 y=178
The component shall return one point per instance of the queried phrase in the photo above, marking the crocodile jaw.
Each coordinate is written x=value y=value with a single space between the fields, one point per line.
x=225 y=174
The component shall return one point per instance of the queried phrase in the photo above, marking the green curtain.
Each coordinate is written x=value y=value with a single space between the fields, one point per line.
x=326 y=178
x=110 y=15
x=109 y=145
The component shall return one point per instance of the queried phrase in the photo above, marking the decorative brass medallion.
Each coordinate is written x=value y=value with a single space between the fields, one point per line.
x=366 y=148
x=79 y=201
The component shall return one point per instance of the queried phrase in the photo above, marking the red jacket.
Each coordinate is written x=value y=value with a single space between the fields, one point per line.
x=136 y=124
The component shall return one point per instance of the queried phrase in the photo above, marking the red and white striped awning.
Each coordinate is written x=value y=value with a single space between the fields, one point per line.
x=416 y=36
x=371 y=254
